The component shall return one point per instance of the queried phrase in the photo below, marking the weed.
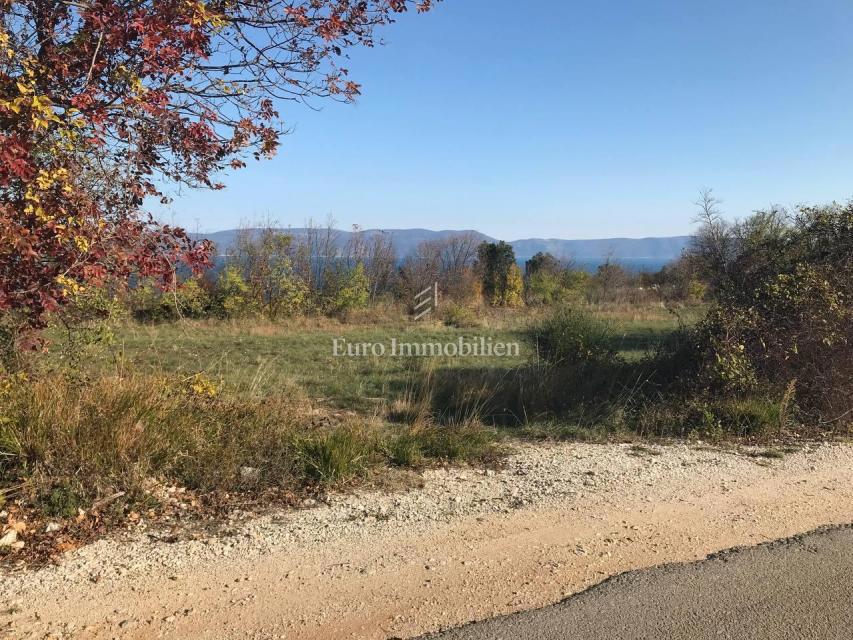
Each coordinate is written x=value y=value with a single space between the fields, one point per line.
x=404 y=450
x=456 y=443
x=335 y=456
x=61 y=502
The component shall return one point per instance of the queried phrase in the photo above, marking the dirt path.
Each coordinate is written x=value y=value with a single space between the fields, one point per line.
x=468 y=546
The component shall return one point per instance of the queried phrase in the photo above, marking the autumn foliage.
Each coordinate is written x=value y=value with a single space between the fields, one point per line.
x=105 y=104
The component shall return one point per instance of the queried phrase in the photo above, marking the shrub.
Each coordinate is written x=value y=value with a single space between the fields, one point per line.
x=189 y=300
x=575 y=337
x=346 y=289
x=264 y=258
x=712 y=416
x=150 y=303
x=543 y=288
x=233 y=298
x=783 y=316
x=144 y=301
x=87 y=322
x=459 y=316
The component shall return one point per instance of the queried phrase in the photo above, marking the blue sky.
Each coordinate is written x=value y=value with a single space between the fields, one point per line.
x=569 y=119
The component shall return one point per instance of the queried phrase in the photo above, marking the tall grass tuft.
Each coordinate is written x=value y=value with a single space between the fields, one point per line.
x=334 y=456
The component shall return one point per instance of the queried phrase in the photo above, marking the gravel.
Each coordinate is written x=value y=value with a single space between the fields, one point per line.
x=536 y=476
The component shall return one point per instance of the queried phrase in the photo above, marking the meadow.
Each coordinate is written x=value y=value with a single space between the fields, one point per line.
x=261 y=358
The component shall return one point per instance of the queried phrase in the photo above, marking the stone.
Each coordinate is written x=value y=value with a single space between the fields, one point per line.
x=8 y=538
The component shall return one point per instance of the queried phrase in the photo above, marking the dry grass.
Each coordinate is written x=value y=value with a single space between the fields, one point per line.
x=113 y=432
x=67 y=442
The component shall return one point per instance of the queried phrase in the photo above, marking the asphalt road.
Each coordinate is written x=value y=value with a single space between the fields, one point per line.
x=785 y=590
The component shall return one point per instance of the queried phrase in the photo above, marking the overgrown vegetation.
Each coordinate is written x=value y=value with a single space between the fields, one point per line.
x=771 y=357
x=65 y=443
x=782 y=325
x=117 y=404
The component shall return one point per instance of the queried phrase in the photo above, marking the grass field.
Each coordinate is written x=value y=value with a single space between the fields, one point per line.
x=249 y=406
x=270 y=359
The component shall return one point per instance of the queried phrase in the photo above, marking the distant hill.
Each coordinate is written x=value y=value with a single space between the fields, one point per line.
x=639 y=253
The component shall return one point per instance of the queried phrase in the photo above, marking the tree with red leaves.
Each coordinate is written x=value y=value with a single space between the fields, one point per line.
x=104 y=102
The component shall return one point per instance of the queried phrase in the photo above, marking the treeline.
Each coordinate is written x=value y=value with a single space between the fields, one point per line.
x=270 y=273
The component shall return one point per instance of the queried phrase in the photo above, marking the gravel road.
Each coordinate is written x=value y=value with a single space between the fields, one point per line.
x=469 y=545
x=795 y=589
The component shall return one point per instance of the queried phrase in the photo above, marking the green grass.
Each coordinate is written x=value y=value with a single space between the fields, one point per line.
x=270 y=360
x=265 y=359
x=635 y=334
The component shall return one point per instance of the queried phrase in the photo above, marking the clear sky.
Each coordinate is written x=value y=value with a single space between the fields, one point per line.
x=569 y=119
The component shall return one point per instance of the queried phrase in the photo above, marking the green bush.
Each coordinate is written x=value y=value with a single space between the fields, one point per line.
x=150 y=303
x=61 y=502
x=459 y=316
x=543 y=288
x=87 y=323
x=233 y=298
x=144 y=301
x=189 y=300
x=571 y=336
x=346 y=289
x=783 y=313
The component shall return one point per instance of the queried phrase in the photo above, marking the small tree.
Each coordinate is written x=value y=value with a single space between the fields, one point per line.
x=263 y=255
x=576 y=283
x=375 y=251
x=233 y=297
x=347 y=289
x=449 y=261
x=543 y=279
x=609 y=278
x=543 y=263
x=513 y=294
x=502 y=284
